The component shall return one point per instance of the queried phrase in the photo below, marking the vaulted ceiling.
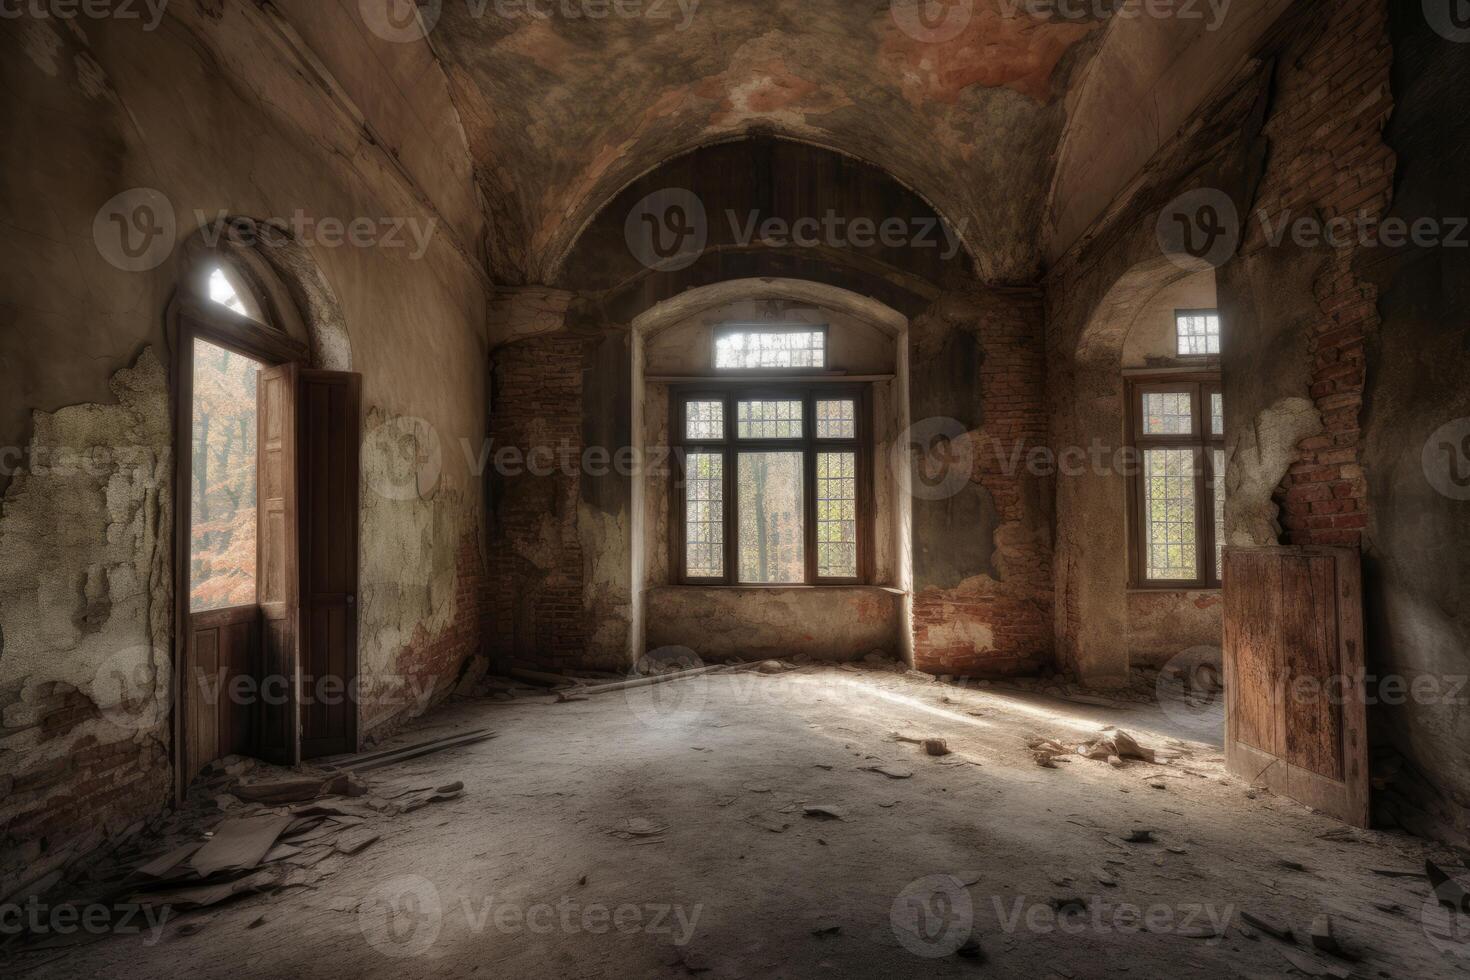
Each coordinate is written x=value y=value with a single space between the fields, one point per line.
x=969 y=110
x=563 y=112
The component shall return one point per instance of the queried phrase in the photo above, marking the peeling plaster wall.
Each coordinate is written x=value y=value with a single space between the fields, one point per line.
x=215 y=112
x=982 y=578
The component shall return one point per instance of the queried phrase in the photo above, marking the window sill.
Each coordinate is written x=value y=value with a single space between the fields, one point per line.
x=834 y=587
x=1174 y=589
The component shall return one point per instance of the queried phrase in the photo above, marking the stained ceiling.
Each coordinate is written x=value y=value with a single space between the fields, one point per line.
x=965 y=102
x=561 y=112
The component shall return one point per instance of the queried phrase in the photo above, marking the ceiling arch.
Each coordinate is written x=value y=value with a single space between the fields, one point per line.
x=563 y=111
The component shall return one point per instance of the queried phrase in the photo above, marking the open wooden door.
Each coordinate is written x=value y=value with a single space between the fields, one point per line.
x=329 y=439
x=1296 y=714
x=278 y=733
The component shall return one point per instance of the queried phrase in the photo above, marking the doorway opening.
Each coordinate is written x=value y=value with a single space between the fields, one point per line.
x=267 y=473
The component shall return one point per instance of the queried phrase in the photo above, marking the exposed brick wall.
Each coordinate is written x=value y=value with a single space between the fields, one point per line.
x=536 y=561
x=1328 y=160
x=56 y=802
x=1000 y=621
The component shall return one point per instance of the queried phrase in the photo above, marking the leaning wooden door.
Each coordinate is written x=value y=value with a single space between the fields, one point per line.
x=1295 y=717
x=278 y=733
x=328 y=447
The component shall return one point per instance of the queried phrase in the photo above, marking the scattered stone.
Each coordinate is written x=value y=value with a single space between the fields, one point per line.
x=824 y=811
x=1141 y=836
x=1268 y=925
x=936 y=747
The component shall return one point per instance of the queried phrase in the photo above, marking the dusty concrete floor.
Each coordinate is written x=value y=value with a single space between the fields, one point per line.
x=659 y=833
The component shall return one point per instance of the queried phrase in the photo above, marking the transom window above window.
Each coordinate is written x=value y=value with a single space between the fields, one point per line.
x=1198 y=332
x=756 y=346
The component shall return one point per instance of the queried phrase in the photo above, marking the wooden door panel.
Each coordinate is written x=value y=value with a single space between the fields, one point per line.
x=1252 y=614
x=221 y=649
x=1297 y=715
x=330 y=440
x=1312 y=721
x=277 y=575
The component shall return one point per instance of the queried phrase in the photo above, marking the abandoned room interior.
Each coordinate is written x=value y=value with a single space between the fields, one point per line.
x=735 y=488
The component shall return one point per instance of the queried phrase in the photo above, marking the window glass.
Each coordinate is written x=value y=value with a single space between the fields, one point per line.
x=837 y=419
x=704 y=420
x=1170 y=538
x=795 y=348
x=1168 y=413
x=1217 y=414
x=837 y=526
x=772 y=518
x=1219 y=492
x=1198 y=333
x=768 y=419
x=223 y=517
x=704 y=515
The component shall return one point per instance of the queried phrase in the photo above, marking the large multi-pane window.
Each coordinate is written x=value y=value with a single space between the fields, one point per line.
x=1177 y=425
x=770 y=484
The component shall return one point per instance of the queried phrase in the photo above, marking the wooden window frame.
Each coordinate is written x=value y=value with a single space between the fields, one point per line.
x=725 y=329
x=1200 y=385
x=730 y=447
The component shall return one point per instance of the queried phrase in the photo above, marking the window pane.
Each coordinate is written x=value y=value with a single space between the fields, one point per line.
x=772 y=525
x=1219 y=489
x=837 y=515
x=1169 y=413
x=837 y=419
x=1170 y=538
x=704 y=515
x=768 y=419
x=1199 y=333
x=1217 y=414
x=222 y=514
x=704 y=420
x=796 y=348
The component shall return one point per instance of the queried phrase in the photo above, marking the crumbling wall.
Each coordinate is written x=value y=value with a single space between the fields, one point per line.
x=982 y=578
x=212 y=113
x=1416 y=441
x=86 y=605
